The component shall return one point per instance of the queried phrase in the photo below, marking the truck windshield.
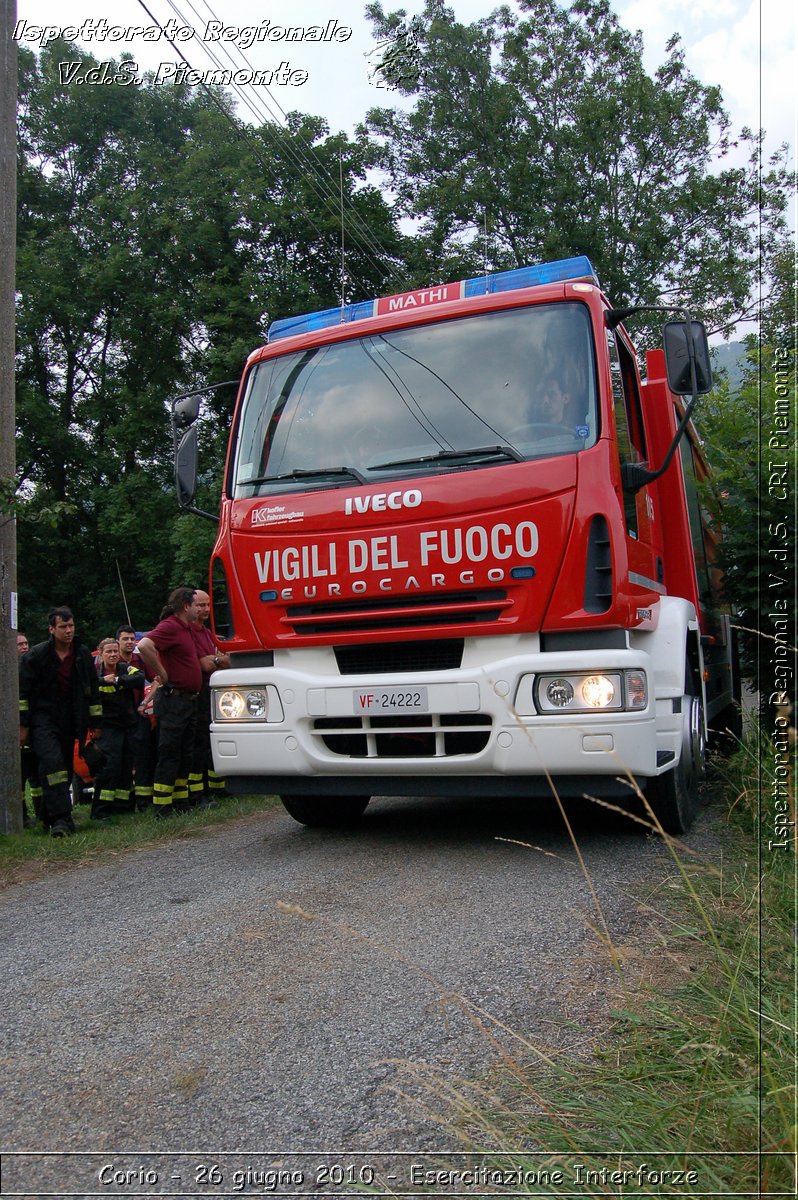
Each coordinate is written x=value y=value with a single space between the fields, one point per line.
x=447 y=396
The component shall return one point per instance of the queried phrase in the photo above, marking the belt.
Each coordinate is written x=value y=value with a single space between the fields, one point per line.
x=169 y=688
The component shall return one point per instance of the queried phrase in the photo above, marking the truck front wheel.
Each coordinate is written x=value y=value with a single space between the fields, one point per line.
x=674 y=796
x=331 y=812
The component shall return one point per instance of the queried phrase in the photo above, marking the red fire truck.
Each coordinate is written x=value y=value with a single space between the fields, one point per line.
x=461 y=551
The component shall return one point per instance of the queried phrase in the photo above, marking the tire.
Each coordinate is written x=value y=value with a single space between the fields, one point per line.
x=727 y=732
x=727 y=727
x=674 y=796
x=330 y=812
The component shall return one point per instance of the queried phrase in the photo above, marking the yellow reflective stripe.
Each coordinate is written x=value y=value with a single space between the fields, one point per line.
x=56 y=778
x=121 y=794
x=181 y=789
x=106 y=687
x=24 y=706
x=95 y=710
x=143 y=791
x=162 y=793
x=107 y=794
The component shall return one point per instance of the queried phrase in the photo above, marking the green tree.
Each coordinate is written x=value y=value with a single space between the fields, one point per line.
x=751 y=436
x=108 y=248
x=541 y=135
x=155 y=230
x=753 y=453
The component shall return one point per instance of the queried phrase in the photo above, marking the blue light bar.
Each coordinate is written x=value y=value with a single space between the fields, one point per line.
x=289 y=326
x=554 y=272
x=561 y=271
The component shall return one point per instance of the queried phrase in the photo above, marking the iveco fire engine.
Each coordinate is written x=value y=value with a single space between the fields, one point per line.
x=461 y=551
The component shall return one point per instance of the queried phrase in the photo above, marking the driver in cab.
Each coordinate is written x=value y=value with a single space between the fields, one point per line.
x=562 y=405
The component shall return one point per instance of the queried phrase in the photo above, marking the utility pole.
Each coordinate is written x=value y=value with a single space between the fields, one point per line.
x=10 y=790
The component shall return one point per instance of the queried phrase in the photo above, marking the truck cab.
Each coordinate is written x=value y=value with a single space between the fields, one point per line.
x=446 y=566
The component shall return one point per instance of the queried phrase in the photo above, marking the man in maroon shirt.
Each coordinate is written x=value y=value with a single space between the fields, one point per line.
x=170 y=653
x=204 y=785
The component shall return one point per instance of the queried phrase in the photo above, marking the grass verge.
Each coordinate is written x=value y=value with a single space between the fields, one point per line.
x=692 y=1088
x=24 y=855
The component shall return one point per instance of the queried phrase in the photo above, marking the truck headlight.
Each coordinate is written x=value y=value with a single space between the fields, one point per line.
x=246 y=704
x=599 y=691
x=559 y=692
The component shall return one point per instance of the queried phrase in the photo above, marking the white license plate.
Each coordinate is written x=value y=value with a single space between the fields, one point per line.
x=396 y=700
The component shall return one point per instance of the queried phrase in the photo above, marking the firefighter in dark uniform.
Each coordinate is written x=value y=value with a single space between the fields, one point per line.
x=59 y=702
x=120 y=688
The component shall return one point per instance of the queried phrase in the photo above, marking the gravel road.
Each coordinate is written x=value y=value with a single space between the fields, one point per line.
x=257 y=986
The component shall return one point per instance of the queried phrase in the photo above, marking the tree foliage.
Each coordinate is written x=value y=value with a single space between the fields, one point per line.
x=545 y=130
x=752 y=445
x=156 y=230
x=755 y=467
x=154 y=233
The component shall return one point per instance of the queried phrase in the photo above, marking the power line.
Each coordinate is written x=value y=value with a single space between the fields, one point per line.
x=310 y=170
x=363 y=230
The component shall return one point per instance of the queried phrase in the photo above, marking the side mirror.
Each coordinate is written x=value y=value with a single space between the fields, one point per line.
x=185 y=444
x=686 y=346
x=185 y=412
x=186 y=466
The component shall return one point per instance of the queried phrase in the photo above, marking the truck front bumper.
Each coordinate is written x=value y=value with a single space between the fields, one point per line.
x=477 y=722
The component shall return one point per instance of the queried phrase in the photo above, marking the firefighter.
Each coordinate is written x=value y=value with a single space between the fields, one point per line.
x=204 y=785
x=120 y=688
x=59 y=702
x=144 y=740
x=170 y=653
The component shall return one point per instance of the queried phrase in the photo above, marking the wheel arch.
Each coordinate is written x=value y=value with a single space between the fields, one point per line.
x=675 y=649
x=677 y=655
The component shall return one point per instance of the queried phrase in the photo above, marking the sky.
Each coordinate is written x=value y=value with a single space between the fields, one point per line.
x=748 y=47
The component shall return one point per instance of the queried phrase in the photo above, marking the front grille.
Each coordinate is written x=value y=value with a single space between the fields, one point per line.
x=431 y=735
x=398 y=612
x=386 y=658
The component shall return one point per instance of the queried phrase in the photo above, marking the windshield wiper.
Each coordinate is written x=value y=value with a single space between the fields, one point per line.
x=310 y=473
x=477 y=454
